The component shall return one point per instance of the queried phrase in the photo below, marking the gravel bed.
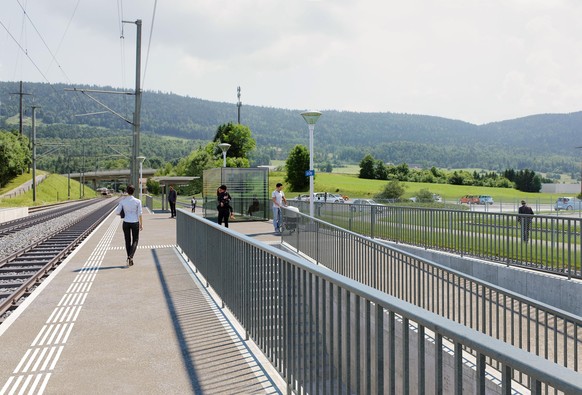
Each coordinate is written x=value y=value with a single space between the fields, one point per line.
x=16 y=241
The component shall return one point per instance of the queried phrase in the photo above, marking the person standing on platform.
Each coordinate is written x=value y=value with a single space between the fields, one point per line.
x=193 y=203
x=172 y=197
x=524 y=218
x=224 y=208
x=279 y=201
x=132 y=222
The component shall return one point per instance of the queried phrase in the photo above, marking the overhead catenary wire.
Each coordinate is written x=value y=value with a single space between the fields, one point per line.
x=53 y=57
x=149 y=44
x=25 y=51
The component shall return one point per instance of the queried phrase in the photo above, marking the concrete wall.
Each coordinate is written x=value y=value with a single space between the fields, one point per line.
x=555 y=291
x=570 y=189
x=9 y=214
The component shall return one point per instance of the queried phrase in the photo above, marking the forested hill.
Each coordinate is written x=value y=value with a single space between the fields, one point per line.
x=540 y=142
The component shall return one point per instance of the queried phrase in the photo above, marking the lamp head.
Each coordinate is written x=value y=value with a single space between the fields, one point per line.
x=141 y=159
x=311 y=117
x=224 y=146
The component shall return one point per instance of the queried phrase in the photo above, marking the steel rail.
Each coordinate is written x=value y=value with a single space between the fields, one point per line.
x=81 y=229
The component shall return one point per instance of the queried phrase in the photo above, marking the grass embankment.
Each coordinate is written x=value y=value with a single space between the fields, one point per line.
x=53 y=189
x=354 y=187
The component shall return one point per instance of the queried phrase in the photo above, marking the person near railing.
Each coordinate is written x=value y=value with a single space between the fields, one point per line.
x=225 y=211
x=278 y=197
x=525 y=219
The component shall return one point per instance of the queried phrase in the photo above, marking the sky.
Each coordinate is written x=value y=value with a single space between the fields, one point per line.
x=478 y=61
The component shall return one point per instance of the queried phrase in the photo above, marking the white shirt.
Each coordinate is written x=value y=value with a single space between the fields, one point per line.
x=131 y=207
x=278 y=198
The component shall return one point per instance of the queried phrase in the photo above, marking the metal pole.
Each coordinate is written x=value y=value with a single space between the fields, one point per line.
x=136 y=114
x=223 y=158
x=311 y=203
x=20 y=124
x=33 y=153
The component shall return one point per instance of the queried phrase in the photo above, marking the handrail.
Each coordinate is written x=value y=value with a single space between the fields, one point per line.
x=516 y=319
x=540 y=242
x=321 y=330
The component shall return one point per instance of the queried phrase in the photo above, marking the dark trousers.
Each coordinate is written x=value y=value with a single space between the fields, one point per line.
x=223 y=215
x=525 y=225
x=131 y=231
x=173 y=208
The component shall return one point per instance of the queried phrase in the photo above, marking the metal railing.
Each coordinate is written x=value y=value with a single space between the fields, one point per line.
x=523 y=322
x=540 y=242
x=326 y=333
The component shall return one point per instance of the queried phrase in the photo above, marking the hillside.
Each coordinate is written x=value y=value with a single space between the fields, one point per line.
x=541 y=142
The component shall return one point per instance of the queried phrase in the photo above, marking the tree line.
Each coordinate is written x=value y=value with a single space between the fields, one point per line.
x=523 y=180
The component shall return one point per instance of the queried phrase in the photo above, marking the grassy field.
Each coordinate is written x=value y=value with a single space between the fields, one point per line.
x=53 y=189
x=352 y=186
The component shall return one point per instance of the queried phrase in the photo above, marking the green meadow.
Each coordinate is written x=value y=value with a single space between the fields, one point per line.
x=354 y=187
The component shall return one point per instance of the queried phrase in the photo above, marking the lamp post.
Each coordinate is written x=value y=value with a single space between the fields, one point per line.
x=141 y=159
x=580 y=174
x=224 y=147
x=311 y=118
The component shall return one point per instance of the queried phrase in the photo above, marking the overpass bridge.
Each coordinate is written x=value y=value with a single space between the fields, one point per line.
x=98 y=178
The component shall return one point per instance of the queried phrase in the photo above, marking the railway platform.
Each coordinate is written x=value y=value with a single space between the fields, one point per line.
x=96 y=326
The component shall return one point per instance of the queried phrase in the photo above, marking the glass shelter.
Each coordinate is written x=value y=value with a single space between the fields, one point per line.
x=248 y=188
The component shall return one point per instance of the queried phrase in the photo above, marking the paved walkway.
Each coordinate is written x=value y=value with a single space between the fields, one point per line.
x=22 y=188
x=98 y=327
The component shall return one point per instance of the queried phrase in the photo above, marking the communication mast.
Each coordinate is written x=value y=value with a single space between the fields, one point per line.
x=238 y=104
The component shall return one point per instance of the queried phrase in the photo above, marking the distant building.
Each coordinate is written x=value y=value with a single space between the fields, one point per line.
x=572 y=189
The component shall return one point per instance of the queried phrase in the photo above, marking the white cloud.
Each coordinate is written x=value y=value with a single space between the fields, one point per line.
x=475 y=60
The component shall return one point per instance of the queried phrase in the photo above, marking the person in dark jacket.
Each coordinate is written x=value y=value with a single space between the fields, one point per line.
x=172 y=197
x=224 y=208
x=525 y=217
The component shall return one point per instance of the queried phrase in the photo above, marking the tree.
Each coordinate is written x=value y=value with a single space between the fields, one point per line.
x=527 y=181
x=424 y=196
x=238 y=136
x=153 y=186
x=14 y=155
x=455 y=179
x=380 y=170
x=197 y=162
x=297 y=163
x=393 y=190
x=367 y=167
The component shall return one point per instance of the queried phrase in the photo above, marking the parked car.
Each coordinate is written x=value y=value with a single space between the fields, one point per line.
x=568 y=203
x=328 y=197
x=485 y=199
x=301 y=198
x=469 y=199
x=435 y=198
x=360 y=205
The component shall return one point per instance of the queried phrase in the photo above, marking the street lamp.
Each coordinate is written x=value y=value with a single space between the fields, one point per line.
x=224 y=147
x=580 y=175
x=311 y=118
x=141 y=159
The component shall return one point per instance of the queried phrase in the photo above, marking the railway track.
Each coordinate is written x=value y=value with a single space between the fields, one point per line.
x=42 y=214
x=22 y=271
